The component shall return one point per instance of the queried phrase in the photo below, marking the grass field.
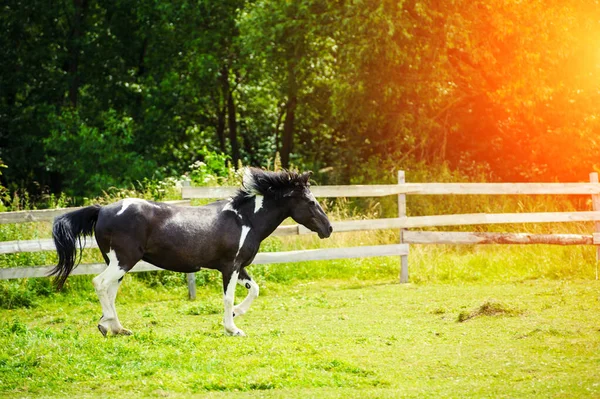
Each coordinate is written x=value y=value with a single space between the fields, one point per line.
x=475 y=322
x=325 y=330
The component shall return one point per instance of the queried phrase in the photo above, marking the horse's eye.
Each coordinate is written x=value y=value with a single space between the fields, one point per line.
x=312 y=202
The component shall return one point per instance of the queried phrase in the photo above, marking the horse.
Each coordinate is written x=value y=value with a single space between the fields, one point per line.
x=224 y=235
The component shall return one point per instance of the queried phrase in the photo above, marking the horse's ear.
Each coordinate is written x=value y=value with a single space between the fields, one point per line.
x=306 y=176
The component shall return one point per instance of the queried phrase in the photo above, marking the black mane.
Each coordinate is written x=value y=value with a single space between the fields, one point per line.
x=269 y=184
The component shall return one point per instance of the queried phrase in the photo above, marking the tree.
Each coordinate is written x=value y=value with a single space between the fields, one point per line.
x=285 y=38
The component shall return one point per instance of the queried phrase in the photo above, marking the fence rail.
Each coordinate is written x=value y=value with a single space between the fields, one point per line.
x=470 y=238
x=261 y=258
x=421 y=189
x=403 y=222
x=48 y=215
x=7 y=247
x=189 y=193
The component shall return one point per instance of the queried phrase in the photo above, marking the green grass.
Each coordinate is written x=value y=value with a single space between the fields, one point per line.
x=476 y=321
x=350 y=332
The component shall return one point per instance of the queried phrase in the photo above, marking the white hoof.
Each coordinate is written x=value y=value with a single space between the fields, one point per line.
x=238 y=312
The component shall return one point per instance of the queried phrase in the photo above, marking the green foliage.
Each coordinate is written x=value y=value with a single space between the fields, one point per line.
x=23 y=293
x=347 y=89
x=214 y=170
x=12 y=296
x=161 y=279
x=92 y=158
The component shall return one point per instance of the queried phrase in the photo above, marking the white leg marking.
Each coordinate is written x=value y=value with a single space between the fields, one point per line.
x=106 y=284
x=258 y=201
x=112 y=295
x=228 y=299
x=253 y=291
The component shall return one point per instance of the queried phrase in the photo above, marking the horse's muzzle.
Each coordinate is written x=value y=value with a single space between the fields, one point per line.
x=327 y=232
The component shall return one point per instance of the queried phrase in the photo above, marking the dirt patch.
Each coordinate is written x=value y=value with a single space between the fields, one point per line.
x=489 y=308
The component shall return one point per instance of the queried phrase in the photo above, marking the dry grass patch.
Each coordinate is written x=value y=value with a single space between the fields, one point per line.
x=489 y=308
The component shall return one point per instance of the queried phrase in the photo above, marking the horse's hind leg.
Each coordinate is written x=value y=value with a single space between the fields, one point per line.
x=112 y=295
x=107 y=284
x=245 y=280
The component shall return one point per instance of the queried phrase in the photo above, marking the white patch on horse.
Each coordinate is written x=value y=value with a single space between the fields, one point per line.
x=245 y=231
x=229 y=207
x=130 y=201
x=258 y=201
x=105 y=288
x=228 y=299
x=253 y=291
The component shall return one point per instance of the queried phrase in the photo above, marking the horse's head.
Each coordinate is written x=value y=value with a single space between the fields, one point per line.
x=306 y=210
x=290 y=193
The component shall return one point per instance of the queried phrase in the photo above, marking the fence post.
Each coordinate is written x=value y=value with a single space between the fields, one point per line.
x=596 y=207
x=402 y=213
x=191 y=277
x=191 y=283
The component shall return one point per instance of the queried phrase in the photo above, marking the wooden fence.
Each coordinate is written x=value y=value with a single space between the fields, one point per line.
x=402 y=222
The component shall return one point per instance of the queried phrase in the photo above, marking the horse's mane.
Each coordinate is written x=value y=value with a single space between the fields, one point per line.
x=269 y=184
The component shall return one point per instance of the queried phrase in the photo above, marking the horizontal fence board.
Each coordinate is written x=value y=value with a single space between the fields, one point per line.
x=380 y=190
x=502 y=188
x=498 y=218
x=188 y=192
x=48 y=215
x=459 y=237
x=351 y=191
x=291 y=230
x=367 y=190
x=33 y=216
x=261 y=258
x=371 y=190
x=369 y=224
x=42 y=271
x=464 y=220
x=47 y=244
x=331 y=253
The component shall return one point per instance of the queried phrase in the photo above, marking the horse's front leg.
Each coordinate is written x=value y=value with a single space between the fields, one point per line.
x=245 y=280
x=230 y=278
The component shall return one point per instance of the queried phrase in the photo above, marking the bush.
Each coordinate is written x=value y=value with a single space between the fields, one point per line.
x=13 y=296
x=93 y=158
x=23 y=293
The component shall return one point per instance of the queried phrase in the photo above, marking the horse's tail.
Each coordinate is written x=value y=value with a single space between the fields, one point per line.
x=66 y=231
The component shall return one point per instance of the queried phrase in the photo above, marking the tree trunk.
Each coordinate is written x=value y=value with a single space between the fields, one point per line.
x=231 y=117
x=221 y=112
x=221 y=104
x=232 y=124
x=287 y=140
x=140 y=75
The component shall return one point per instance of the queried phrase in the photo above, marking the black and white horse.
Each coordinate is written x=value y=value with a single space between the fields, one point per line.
x=224 y=235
